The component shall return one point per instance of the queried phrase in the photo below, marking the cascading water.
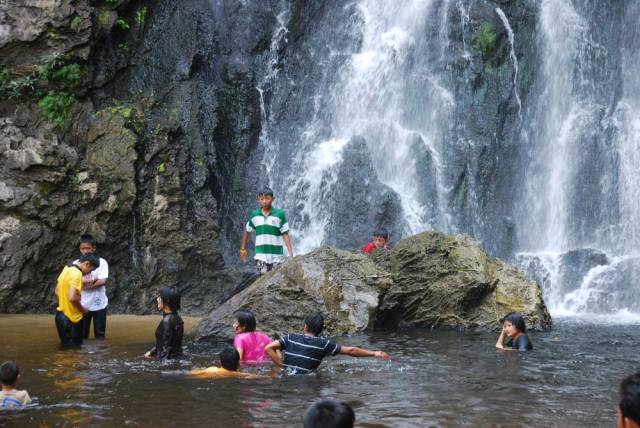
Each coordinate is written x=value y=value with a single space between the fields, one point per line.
x=374 y=98
x=397 y=133
x=577 y=214
x=512 y=55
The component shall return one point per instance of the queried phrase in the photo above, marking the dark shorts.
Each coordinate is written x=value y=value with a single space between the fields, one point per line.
x=70 y=333
x=264 y=267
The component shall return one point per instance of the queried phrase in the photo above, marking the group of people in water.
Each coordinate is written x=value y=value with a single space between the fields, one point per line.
x=82 y=298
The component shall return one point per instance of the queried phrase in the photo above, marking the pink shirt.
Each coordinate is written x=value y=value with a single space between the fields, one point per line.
x=252 y=344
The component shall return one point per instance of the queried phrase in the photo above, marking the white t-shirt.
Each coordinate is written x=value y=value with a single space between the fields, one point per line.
x=96 y=300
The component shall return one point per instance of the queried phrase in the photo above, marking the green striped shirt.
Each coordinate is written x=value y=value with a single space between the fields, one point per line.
x=269 y=230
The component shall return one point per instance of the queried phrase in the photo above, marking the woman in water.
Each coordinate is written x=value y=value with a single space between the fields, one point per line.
x=515 y=329
x=248 y=342
x=171 y=328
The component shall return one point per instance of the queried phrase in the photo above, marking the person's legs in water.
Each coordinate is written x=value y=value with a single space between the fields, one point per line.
x=76 y=333
x=99 y=323
x=63 y=325
x=70 y=333
x=86 y=324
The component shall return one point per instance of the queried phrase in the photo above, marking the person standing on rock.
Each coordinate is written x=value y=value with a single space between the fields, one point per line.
x=94 y=294
x=272 y=230
x=70 y=310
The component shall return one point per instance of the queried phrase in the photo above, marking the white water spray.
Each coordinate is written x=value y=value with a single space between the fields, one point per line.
x=514 y=59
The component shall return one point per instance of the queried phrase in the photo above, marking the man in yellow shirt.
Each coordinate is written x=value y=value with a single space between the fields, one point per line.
x=70 y=310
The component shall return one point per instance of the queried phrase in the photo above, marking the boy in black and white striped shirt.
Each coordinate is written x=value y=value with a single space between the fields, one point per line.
x=303 y=353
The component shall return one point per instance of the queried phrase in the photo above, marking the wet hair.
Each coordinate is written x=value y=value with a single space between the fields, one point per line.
x=88 y=239
x=630 y=397
x=92 y=258
x=266 y=191
x=328 y=413
x=246 y=319
x=230 y=359
x=381 y=233
x=516 y=320
x=314 y=323
x=9 y=372
x=171 y=297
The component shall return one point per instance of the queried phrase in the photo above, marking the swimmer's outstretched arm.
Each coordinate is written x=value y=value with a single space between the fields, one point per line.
x=272 y=351
x=359 y=352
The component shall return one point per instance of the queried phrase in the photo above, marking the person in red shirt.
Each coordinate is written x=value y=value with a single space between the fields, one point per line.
x=380 y=241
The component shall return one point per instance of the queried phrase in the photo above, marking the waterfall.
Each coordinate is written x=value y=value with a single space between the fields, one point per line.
x=512 y=55
x=394 y=113
x=372 y=99
x=278 y=38
x=580 y=236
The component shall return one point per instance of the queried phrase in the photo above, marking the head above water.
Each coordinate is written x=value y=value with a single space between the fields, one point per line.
x=314 y=324
x=230 y=359
x=88 y=262
x=9 y=372
x=328 y=413
x=514 y=320
x=169 y=299
x=628 y=414
x=87 y=244
x=245 y=321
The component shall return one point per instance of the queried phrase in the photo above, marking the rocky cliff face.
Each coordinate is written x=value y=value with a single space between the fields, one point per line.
x=127 y=121
x=145 y=125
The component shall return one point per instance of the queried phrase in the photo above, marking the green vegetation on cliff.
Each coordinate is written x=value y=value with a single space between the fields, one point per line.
x=53 y=84
x=485 y=39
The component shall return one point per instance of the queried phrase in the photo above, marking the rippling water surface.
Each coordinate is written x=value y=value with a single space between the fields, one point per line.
x=439 y=378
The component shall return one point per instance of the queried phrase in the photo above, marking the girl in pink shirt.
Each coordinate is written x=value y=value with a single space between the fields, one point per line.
x=248 y=342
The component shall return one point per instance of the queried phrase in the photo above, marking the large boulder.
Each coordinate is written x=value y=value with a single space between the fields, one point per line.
x=449 y=281
x=345 y=287
x=427 y=280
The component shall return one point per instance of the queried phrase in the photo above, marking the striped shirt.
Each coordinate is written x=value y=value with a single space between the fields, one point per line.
x=269 y=230
x=303 y=354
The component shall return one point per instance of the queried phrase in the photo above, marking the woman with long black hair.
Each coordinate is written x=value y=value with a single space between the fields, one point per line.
x=171 y=329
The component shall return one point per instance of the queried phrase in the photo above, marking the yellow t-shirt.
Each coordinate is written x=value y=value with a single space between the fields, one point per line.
x=218 y=372
x=71 y=276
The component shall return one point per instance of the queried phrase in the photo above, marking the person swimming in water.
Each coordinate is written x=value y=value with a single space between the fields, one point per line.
x=171 y=329
x=10 y=397
x=248 y=342
x=303 y=353
x=230 y=367
x=329 y=413
x=514 y=327
x=628 y=411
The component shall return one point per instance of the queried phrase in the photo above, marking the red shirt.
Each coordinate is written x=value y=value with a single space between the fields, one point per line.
x=371 y=246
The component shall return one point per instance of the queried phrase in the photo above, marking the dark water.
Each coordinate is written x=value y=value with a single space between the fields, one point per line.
x=435 y=379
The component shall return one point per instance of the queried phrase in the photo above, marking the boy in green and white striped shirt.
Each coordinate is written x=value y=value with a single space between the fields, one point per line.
x=272 y=230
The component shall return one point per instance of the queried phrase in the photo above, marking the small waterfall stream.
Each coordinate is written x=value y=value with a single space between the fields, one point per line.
x=512 y=55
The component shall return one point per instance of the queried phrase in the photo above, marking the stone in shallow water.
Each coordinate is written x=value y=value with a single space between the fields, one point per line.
x=430 y=279
x=345 y=287
x=449 y=281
